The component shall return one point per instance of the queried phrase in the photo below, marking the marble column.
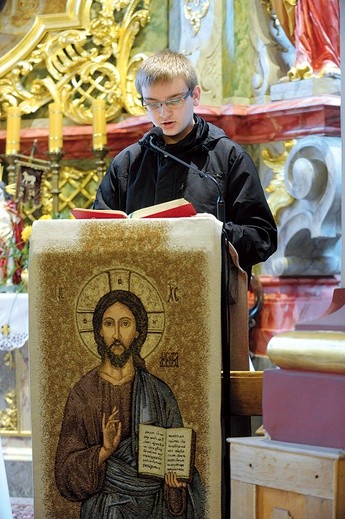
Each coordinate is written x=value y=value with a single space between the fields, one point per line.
x=5 y=505
x=334 y=318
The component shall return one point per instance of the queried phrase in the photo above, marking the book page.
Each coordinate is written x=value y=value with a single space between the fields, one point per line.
x=179 y=449
x=151 y=450
x=172 y=209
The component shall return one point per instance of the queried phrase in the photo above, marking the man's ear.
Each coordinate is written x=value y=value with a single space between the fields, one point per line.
x=196 y=95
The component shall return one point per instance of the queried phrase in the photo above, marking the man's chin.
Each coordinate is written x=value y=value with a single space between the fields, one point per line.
x=119 y=361
x=117 y=350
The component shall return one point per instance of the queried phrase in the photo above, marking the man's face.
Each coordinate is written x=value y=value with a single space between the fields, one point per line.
x=118 y=332
x=175 y=121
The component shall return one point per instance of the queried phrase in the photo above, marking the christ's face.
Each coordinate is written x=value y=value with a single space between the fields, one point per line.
x=119 y=328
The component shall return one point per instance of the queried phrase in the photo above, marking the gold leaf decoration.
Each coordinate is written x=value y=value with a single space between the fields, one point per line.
x=194 y=11
x=75 y=65
x=279 y=197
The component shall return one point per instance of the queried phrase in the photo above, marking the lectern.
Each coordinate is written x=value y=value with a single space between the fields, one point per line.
x=174 y=267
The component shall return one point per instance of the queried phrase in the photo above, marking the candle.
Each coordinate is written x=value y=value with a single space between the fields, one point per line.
x=99 y=124
x=13 y=130
x=55 y=128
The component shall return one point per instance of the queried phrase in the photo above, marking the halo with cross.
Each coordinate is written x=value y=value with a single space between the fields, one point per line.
x=120 y=279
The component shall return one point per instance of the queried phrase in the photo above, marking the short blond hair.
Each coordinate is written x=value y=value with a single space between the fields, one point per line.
x=163 y=66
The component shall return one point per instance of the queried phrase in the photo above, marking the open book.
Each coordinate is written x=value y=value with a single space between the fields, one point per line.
x=166 y=450
x=172 y=209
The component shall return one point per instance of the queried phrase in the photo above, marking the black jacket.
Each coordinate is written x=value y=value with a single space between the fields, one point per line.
x=140 y=177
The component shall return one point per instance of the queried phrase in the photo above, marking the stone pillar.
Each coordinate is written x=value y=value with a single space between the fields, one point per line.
x=196 y=31
x=224 y=42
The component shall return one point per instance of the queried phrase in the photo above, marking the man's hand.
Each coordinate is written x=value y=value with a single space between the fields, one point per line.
x=175 y=494
x=111 y=435
x=203 y=215
x=171 y=480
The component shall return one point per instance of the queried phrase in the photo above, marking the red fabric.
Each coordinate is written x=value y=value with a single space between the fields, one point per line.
x=17 y=227
x=317 y=28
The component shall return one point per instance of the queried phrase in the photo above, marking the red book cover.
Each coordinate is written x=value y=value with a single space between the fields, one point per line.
x=173 y=209
x=86 y=214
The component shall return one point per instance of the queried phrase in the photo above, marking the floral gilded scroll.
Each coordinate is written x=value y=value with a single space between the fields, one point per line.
x=75 y=57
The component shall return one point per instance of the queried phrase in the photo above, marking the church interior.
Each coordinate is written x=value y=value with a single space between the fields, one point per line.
x=270 y=76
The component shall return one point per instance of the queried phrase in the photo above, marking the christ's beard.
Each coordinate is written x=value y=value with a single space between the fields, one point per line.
x=119 y=361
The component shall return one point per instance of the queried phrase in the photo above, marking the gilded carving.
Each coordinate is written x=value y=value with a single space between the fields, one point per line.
x=279 y=197
x=8 y=417
x=9 y=359
x=74 y=65
x=194 y=11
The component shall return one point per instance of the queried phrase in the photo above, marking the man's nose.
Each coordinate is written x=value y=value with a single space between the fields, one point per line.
x=163 y=108
x=116 y=331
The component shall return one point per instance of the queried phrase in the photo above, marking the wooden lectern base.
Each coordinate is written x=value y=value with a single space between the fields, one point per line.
x=277 y=480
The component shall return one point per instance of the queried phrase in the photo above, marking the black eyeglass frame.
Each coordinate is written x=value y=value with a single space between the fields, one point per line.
x=170 y=103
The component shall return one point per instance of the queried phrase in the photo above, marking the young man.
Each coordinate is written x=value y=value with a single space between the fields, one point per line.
x=140 y=176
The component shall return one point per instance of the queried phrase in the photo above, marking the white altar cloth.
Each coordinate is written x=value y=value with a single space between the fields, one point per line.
x=13 y=334
x=14 y=321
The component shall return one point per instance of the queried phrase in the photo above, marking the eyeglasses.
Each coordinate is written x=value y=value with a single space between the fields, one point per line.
x=170 y=103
